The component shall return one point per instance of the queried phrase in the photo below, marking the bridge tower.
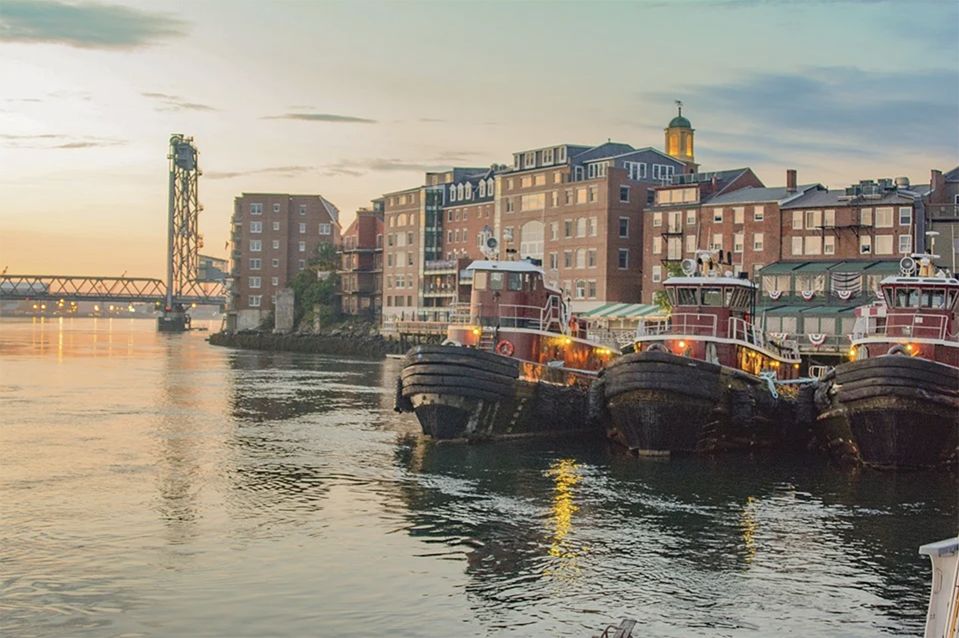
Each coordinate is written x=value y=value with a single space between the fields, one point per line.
x=184 y=239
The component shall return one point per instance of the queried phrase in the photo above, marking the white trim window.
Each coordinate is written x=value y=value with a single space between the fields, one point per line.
x=883 y=218
x=624 y=194
x=717 y=215
x=276 y=225
x=326 y=229
x=657 y=245
x=758 y=241
x=690 y=217
x=829 y=245
x=905 y=244
x=865 y=245
x=276 y=208
x=797 y=220
x=624 y=227
x=256 y=227
x=275 y=281
x=276 y=244
x=302 y=209
x=623 y=258
x=302 y=228
x=884 y=244
x=797 y=245
x=255 y=282
x=739 y=215
x=905 y=216
x=657 y=220
x=739 y=240
x=690 y=243
x=255 y=263
x=759 y=213
x=256 y=245
x=256 y=209
x=275 y=263
x=717 y=242
x=255 y=301
x=301 y=264
x=302 y=247
x=657 y=274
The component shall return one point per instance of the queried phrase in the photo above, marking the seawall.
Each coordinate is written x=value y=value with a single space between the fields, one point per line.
x=368 y=347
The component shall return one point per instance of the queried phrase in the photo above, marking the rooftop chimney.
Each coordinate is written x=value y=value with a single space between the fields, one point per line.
x=791 y=180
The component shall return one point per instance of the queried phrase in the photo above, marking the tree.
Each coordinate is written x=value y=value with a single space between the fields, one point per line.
x=659 y=297
x=310 y=290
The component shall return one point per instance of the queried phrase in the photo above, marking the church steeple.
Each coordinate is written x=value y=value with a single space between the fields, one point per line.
x=679 y=139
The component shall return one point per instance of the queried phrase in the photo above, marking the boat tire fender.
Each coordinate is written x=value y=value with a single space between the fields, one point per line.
x=596 y=402
x=657 y=347
x=897 y=349
x=400 y=402
x=505 y=348
x=452 y=342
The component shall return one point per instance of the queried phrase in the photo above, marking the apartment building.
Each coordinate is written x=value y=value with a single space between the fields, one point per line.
x=942 y=216
x=361 y=264
x=273 y=238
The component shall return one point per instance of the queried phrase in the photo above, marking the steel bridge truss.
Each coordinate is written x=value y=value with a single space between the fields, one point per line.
x=115 y=289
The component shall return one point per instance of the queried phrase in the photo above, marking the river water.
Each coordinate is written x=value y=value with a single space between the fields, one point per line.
x=154 y=485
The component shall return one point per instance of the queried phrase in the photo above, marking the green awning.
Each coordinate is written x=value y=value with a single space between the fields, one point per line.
x=624 y=311
x=781 y=310
x=870 y=266
x=807 y=310
x=595 y=311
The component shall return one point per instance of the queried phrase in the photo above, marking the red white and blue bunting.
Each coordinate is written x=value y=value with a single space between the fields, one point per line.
x=844 y=294
x=779 y=336
x=817 y=339
x=775 y=294
x=807 y=294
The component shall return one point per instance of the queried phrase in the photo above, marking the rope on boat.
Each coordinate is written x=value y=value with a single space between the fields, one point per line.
x=769 y=378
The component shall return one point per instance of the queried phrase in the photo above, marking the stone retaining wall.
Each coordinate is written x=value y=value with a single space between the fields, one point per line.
x=369 y=347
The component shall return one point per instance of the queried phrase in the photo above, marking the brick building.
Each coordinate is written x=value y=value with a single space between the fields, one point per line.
x=273 y=238
x=942 y=216
x=361 y=264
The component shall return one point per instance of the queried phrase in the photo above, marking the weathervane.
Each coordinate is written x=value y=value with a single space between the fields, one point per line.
x=680 y=105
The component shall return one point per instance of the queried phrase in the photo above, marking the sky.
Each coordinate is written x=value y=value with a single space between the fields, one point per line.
x=355 y=99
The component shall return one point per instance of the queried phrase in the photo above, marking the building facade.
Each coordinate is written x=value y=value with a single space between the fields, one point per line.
x=361 y=264
x=273 y=238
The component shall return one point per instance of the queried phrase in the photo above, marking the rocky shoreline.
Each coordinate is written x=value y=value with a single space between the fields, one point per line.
x=350 y=344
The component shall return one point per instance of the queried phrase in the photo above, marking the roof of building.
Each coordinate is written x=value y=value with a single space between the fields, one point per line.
x=953 y=175
x=331 y=209
x=679 y=122
x=751 y=195
x=607 y=149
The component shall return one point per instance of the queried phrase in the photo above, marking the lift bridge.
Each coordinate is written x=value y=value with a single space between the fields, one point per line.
x=182 y=288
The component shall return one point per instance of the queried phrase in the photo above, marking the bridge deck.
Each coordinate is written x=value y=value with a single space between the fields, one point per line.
x=118 y=289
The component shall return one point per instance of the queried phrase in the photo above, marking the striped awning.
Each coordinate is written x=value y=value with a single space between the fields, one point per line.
x=624 y=311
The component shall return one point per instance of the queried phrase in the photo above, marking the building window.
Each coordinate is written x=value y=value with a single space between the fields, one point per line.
x=623 y=258
x=276 y=208
x=449 y=237
x=302 y=247
x=797 y=245
x=255 y=264
x=865 y=245
x=883 y=220
x=554 y=260
x=759 y=213
x=591 y=288
x=530 y=160
x=580 y=289
x=829 y=218
x=581 y=227
x=884 y=245
x=797 y=220
x=592 y=226
x=569 y=196
x=275 y=263
x=813 y=245
x=738 y=240
x=256 y=245
x=326 y=229
x=509 y=182
x=624 y=228
x=758 y=241
x=509 y=205
x=717 y=215
x=657 y=245
x=717 y=242
x=690 y=218
x=690 y=243
x=581 y=258
x=813 y=219
x=302 y=228
x=456 y=236
x=276 y=225
x=567 y=259
x=256 y=227
x=568 y=228
x=276 y=244
x=578 y=173
x=757 y=270
x=409 y=238
x=865 y=217
x=255 y=301
x=657 y=274
x=905 y=216
x=739 y=215
x=275 y=281
x=409 y=258
x=624 y=194
x=829 y=245
x=554 y=231
x=548 y=156
x=591 y=258
x=254 y=282
x=657 y=220
x=256 y=209
x=593 y=193
x=905 y=244
x=302 y=264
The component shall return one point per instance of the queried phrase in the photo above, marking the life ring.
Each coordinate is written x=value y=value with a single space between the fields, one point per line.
x=898 y=349
x=505 y=348
x=656 y=347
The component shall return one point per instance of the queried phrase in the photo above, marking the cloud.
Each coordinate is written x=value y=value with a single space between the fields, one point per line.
x=278 y=171
x=356 y=168
x=321 y=117
x=50 y=141
x=836 y=110
x=175 y=103
x=85 y=26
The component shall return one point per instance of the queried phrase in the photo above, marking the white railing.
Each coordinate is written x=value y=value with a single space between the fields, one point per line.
x=690 y=323
x=548 y=317
x=920 y=327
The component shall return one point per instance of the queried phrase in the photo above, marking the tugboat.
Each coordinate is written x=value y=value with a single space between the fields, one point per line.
x=515 y=363
x=896 y=404
x=708 y=379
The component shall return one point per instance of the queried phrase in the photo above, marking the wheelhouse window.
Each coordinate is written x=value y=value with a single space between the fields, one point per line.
x=496 y=280
x=515 y=281
x=935 y=299
x=479 y=280
x=712 y=297
x=907 y=298
x=686 y=297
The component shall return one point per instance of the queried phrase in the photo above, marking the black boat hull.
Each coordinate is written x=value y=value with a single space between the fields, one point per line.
x=661 y=404
x=464 y=393
x=891 y=412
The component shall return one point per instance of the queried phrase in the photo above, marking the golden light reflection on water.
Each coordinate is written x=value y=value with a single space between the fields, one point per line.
x=565 y=475
x=747 y=526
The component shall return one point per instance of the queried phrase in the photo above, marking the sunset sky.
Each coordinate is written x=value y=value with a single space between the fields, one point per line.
x=354 y=99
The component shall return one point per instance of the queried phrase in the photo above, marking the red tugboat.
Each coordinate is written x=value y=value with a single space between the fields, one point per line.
x=708 y=379
x=515 y=363
x=896 y=405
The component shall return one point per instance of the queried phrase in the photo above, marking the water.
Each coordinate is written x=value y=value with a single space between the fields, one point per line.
x=153 y=485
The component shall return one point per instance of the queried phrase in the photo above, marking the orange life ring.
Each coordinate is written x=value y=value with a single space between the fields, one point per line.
x=505 y=348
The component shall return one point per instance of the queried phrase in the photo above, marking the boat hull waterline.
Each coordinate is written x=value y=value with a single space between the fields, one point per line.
x=468 y=394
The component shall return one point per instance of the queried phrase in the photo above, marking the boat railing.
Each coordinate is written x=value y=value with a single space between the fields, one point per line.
x=687 y=323
x=548 y=317
x=747 y=331
x=920 y=327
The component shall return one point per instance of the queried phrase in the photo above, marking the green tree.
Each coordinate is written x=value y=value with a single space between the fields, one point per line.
x=310 y=288
x=659 y=297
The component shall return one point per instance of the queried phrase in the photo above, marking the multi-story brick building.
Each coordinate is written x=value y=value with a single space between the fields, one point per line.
x=942 y=216
x=361 y=263
x=274 y=236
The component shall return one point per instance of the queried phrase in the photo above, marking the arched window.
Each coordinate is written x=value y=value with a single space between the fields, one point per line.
x=482 y=188
x=531 y=240
x=469 y=190
x=581 y=258
x=489 y=187
x=452 y=193
x=402 y=220
x=459 y=191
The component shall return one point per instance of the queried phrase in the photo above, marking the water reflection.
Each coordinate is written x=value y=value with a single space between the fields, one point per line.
x=565 y=474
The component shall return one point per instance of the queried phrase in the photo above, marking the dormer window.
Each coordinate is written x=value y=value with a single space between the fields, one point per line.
x=459 y=191
x=452 y=193
x=482 y=188
x=548 y=156
x=469 y=190
x=530 y=160
x=518 y=161
x=489 y=187
x=561 y=154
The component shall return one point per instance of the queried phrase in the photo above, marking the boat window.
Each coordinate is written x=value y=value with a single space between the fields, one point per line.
x=671 y=295
x=712 y=297
x=952 y=298
x=515 y=281
x=479 y=280
x=934 y=299
x=728 y=297
x=907 y=298
x=496 y=281
x=687 y=296
x=888 y=293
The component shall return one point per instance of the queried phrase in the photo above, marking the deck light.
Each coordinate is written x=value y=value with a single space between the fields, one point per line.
x=682 y=344
x=910 y=347
x=568 y=341
x=476 y=331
